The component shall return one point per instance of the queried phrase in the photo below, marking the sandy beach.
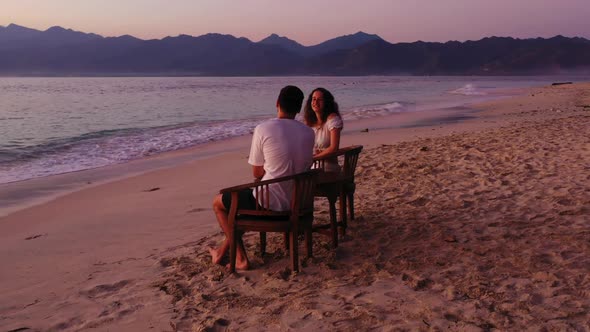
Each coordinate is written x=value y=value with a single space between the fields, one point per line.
x=481 y=224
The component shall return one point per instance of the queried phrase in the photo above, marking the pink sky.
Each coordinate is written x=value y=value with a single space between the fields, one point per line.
x=308 y=22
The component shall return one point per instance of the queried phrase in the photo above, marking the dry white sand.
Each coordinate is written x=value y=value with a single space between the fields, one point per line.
x=480 y=225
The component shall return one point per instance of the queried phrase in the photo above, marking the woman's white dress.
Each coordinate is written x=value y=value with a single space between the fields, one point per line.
x=322 y=139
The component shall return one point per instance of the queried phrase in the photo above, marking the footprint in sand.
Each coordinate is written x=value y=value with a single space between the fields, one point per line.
x=74 y=322
x=565 y=202
x=115 y=310
x=416 y=283
x=219 y=324
x=105 y=289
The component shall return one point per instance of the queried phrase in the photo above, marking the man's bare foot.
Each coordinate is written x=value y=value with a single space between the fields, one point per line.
x=245 y=265
x=216 y=255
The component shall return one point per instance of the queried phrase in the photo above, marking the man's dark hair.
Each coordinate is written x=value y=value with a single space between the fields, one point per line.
x=290 y=99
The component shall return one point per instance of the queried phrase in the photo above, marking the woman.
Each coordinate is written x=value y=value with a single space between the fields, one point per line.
x=321 y=114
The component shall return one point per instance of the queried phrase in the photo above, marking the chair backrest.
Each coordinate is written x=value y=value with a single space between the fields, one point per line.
x=262 y=194
x=303 y=192
x=351 y=158
x=319 y=164
x=302 y=186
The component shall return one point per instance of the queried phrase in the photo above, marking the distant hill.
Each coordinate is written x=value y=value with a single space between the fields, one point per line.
x=336 y=44
x=15 y=32
x=284 y=42
x=489 y=56
x=19 y=36
x=342 y=43
x=59 y=51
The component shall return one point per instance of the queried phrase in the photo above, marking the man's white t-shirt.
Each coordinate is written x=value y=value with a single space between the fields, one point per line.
x=283 y=147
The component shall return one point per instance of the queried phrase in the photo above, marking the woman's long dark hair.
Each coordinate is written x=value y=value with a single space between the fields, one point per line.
x=330 y=106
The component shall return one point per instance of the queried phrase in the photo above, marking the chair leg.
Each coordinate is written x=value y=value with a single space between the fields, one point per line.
x=343 y=223
x=233 y=246
x=294 y=252
x=351 y=205
x=262 y=244
x=333 y=220
x=286 y=240
x=308 y=240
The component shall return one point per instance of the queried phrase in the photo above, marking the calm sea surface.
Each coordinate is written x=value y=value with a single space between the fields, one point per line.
x=57 y=125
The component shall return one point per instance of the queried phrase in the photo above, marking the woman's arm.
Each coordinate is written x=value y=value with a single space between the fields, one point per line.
x=334 y=143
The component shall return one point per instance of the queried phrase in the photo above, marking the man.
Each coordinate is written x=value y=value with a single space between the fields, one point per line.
x=280 y=147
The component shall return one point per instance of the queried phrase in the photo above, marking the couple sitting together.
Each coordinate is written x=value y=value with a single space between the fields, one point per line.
x=280 y=147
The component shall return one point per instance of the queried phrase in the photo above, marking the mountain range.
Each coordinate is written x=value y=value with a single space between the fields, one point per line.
x=59 y=51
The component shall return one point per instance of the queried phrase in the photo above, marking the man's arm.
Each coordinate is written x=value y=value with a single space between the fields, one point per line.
x=258 y=172
x=256 y=157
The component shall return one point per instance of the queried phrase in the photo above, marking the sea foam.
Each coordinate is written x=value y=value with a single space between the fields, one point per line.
x=468 y=90
x=364 y=112
x=98 y=151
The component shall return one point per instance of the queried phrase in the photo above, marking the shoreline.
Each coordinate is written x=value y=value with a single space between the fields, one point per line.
x=477 y=224
x=45 y=189
x=19 y=195
x=31 y=192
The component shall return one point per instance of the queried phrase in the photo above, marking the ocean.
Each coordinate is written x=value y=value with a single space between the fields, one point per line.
x=52 y=126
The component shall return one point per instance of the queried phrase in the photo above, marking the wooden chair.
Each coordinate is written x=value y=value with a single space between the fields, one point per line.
x=351 y=158
x=262 y=219
x=338 y=185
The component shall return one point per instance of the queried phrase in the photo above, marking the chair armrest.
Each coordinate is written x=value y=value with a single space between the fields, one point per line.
x=258 y=183
x=329 y=155
x=338 y=152
x=350 y=154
